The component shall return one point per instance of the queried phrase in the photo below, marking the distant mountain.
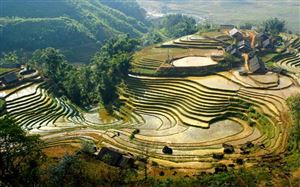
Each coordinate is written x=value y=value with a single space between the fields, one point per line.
x=229 y=12
x=77 y=27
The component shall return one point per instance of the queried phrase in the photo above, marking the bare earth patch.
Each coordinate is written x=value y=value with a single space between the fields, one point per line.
x=193 y=62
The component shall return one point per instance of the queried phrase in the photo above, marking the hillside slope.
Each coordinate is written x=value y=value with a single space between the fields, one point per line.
x=77 y=27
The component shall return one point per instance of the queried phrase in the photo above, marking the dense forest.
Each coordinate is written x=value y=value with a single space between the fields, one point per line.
x=76 y=27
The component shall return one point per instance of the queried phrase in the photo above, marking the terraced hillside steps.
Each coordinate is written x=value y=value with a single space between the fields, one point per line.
x=194 y=42
x=146 y=65
x=36 y=108
x=199 y=105
x=192 y=115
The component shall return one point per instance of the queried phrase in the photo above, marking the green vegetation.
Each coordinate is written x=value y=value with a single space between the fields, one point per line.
x=151 y=38
x=2 y=105
x=88 y=147
x=274 y=26
x=111 y=64
x=136 y=131
x=177 y=25
x=67 y=172
x=294 y=105
x=9 y=58
x=20 y=155
x=82 y=25
x=128 y=7
x=105 y=73
x=4 y=70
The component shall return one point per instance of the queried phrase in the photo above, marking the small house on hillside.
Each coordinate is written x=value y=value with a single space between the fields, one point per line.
x=244 y=46
x=254 y=28
x=236 y=34
x=254 y=64
x=232 y=49
x=251 y=54
x=10 y=78
x=114 y=157
x=247 y=27
x=262 y=36
x=267 y=44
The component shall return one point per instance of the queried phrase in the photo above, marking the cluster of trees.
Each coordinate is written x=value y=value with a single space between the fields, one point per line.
x=151 y=38
x=293 y=103
x=89 y=84
x=111 y=65
x=9 y=58
x=2 y=105
x=128 y=7
x=20 y=155
x=177 y=25
x=78 y=28
x=274 y=26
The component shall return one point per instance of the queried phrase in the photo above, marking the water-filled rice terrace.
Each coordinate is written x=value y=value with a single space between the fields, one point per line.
x=192 y=115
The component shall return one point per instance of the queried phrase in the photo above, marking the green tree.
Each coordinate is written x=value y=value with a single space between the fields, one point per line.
x=10 y=58
x=293 y=103
x=112 y=63
x=68 y=172
x=151 y=38
x=88 y=147
x=20 y=155
x=177 y=25
x=274 y=26
x=72 y=86
x=2 y=105
x=51 y=62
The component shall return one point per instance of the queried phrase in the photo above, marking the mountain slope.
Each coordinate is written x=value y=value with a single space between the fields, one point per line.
x=65 y=24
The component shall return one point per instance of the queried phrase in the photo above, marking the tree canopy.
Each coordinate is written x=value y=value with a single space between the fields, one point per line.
x=9 y=58
x=19 y=155
x=274 y=26
x=76 y=27
x=293 y=103
x=177 y=25
x=86 y=85
x=112 y=63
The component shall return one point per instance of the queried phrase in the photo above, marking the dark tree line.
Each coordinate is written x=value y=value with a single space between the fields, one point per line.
x=274 y=26
x=90 y=84
x=20 y=155
x=177 y=25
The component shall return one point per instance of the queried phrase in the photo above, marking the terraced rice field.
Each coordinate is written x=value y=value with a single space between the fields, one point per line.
x=290 y=60
x=194 y=41
x=194 y=116
x=148 y=60
x=34 y=108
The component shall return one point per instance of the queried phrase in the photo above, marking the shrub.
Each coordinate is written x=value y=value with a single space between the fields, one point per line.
x=293 y=103
x=132 y=136
x=88 y=147
x=154 y=163
x=68 y=172
x=167 y=150
x=218 y=155
x=2 y=104
x=136 y=131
